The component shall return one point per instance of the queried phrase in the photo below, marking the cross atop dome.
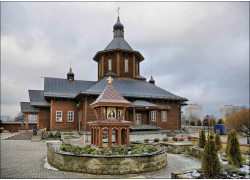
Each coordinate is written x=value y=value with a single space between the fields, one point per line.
x=110 y=80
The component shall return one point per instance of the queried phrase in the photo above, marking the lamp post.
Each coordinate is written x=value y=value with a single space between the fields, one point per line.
x=208 y=123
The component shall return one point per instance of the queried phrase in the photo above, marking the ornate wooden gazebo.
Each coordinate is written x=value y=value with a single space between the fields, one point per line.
x=110 y=120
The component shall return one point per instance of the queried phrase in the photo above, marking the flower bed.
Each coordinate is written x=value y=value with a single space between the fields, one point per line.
x=106 y=161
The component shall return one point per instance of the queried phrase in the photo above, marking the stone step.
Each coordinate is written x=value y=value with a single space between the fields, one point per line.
x=26 y=135
x=37 y=137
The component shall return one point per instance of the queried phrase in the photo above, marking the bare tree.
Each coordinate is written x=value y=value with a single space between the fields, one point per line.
x=240 y=122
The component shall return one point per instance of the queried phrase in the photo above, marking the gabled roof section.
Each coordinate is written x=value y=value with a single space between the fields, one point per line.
x=140 y=103
x=57 y=87
x=134 y=88
x=110 y=96
x=118 y=43
x=27 y=108
x=37 y=98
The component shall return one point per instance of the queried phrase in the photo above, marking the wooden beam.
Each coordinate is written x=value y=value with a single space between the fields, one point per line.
x=102 y=65
x=133 y=66
x=110 y=137
x=134 y=117
x=96 y=114
x=51 y=114
x=118 y=63
x=123 y=114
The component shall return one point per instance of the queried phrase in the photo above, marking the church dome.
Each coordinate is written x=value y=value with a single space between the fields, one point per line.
x=152 y=81
x=118 y=25
x=70 y=73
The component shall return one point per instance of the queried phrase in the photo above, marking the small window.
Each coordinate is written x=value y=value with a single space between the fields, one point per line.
x=126 y=65
x=32 y=118
x=153 y=116
x=119 y=114
x=70 y=116
x=164 y=116
x=99 y=68
x=58 y=116
x=110 y=64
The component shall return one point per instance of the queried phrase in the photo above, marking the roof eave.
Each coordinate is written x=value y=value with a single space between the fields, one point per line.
x=95 y=58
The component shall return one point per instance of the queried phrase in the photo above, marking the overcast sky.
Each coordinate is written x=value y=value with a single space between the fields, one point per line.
x=197 y=50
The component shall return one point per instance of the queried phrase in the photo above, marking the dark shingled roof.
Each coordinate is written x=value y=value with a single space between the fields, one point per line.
x=142 y=103
x=37 y=98
x=26 y=107
x=133 y=88
x=118 y=43
x=56 y=87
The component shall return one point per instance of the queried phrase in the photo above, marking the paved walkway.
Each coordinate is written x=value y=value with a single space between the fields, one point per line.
x=25 y=159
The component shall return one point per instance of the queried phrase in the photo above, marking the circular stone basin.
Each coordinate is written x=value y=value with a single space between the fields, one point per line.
x=106 y=165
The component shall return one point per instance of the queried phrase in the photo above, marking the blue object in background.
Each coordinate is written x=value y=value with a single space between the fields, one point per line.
x=219 y=127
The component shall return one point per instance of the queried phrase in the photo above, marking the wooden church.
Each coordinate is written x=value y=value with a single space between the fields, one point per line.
x=65 y=103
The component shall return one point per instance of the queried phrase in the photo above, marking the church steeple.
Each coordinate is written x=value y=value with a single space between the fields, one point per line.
x=152 y=81
x=118 y=29
x=70 y=75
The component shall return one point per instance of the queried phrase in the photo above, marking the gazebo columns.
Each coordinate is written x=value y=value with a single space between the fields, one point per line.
x=110 y=137
x=119 y=137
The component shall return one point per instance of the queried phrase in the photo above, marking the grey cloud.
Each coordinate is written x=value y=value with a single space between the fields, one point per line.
x=199 y=50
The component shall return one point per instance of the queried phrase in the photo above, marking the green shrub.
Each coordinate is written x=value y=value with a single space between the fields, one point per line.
x=175 y=139
x=220 y=121
x=228 y=140
x=151 y=149
x=192 y=123
x=210 y=161
x=156 y=139
x=187 y=122
x=142 y=148
x=234 y=153
x=199 y=123
x=51 y=135
x=218 y=141
x=104 y=152
x=165 y=139
x=58 y=134
x=181 y=139
x=146 y=140
x=1 y=129
x=120 y=151
x=70 y=137
x=202 y=139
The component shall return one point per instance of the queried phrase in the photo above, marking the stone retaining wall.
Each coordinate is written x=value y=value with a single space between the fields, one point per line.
x=110 y=165
x=194 y=151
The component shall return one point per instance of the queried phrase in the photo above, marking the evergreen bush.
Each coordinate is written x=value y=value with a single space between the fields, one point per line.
x=220 y=121
x=202 y=139
x=218 y=141
x=210 y=162
x=146 y=140
x=58 y=134
x=120 y=151
x=234 y=154
x=199 y=123
x=192 y=123
x=165 y=139
x=228 y=140
x=156 y=139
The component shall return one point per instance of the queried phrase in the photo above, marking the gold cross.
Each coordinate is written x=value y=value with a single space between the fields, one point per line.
x=118 y=11
x=110 y=80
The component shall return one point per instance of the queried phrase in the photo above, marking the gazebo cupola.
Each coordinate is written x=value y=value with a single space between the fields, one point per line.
x=110 y=119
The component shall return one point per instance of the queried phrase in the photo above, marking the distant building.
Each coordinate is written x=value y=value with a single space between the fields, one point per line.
x=193 y=112
x=5 y=118
x=230 y=109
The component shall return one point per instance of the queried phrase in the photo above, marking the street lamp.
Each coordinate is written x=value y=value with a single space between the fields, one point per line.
x=208 y=123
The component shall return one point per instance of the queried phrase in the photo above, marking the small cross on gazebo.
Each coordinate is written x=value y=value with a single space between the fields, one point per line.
x=109 y=103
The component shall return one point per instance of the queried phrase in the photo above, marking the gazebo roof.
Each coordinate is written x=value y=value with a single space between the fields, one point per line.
x=111 y=97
